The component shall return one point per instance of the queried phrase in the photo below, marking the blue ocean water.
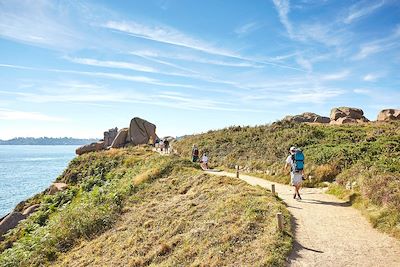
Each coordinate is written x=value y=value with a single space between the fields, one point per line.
x=28 y=170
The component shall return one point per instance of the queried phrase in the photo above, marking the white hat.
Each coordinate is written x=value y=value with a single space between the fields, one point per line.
x=292 y=148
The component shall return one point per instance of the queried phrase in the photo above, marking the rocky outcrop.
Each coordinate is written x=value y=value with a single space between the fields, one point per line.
x=28 y=211
x=90 y=148
x=141 y=131
x=121 y=139
x=10 y=221
x=343 y=115
x=307 y=117
x=389 y=115
x=109 y=136
x=56 y=187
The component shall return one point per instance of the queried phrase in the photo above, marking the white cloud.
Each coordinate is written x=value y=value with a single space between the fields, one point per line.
x=362 y=91
x=336 y=76
x=39 y=23
x=165 y=99
x=380 y=45
x=247 y=28
x=372 y=77
x=322 y=33
x=165 y=34
x=283 y=8
x=107 y=75
x=9 y=114
x=304 y=63
x=111 y=64
x=361 y=9
x=169 y=35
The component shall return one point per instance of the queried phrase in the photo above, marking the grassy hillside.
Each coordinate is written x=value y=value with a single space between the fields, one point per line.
x=133 y=207
x=366 y=156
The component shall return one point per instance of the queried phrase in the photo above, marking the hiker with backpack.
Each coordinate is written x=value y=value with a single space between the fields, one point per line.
x=296 y=162
x=195 y=153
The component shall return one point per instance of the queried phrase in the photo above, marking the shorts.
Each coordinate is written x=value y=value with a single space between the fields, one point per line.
x=296 y=178
x=195 y=158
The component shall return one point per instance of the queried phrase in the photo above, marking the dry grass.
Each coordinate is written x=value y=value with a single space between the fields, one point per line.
x=190 y=219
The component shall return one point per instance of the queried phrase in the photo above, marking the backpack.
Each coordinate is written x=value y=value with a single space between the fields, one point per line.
x=298 y=161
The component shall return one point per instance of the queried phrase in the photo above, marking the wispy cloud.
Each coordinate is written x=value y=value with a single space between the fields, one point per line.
x=10 y=114
x=168 y=35
x=40 y=23
x=336 y=76
x=372 y=77
x=304 y=63
x=283 y=8
x=380 y=45
x=165 y=34
x=111 y=64
x=362 y=9
x=173 y=100
x=107 y=75
x=247 y=28
x=362 y=91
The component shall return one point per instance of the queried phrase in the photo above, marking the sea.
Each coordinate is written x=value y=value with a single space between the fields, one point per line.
x=26 y=170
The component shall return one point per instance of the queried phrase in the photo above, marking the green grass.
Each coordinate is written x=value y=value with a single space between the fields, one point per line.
x=137 y=189
x=366 y=155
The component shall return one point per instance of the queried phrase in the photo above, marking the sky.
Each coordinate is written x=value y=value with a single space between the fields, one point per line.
x=77 y=68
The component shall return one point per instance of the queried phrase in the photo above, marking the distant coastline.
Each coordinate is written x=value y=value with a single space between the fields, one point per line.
x=47 y=141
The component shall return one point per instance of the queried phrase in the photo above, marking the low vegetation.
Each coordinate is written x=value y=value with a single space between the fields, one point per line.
x=365 y=158
x=133 y=207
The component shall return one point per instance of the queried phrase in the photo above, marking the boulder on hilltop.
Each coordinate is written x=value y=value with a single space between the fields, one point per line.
x=139 y=132
x=307 y=117
x=344 y=115
x=121 y=139
x=389 y=115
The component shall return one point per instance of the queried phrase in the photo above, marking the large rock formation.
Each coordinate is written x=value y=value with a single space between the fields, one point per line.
x=389 y=115
x=141 y=131
x=90 y=148
x=307 y=117
x=344 y=115
x=121 y=139
x=109 y=136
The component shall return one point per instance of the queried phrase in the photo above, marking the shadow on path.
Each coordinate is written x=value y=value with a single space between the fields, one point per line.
x=321 y=202
x=297 y=247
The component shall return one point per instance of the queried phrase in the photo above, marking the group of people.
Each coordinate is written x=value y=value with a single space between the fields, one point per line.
x=203 y=159
x=163 y=145
x=295 y=161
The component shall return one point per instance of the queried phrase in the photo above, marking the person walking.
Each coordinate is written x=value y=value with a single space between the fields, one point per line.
x=166 y=145
x=195 y=153
x=296 y=163
x=204 y=161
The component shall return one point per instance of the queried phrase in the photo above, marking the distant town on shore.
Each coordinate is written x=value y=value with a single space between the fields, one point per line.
x=46 y=141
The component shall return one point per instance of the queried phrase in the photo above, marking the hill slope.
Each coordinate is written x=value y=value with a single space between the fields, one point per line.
x=365 y=156
x=133 y=207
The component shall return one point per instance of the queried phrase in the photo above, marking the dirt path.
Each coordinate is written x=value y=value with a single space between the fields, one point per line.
x=330 y=233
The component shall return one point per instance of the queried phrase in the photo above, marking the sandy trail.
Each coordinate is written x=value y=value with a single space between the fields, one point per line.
x=328 y=232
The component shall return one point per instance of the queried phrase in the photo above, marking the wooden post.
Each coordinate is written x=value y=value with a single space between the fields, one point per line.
x=273 y=189
x=280 y=221
x=237 y=171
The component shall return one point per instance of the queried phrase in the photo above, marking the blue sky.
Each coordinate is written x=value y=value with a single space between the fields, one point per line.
x=75 y=68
